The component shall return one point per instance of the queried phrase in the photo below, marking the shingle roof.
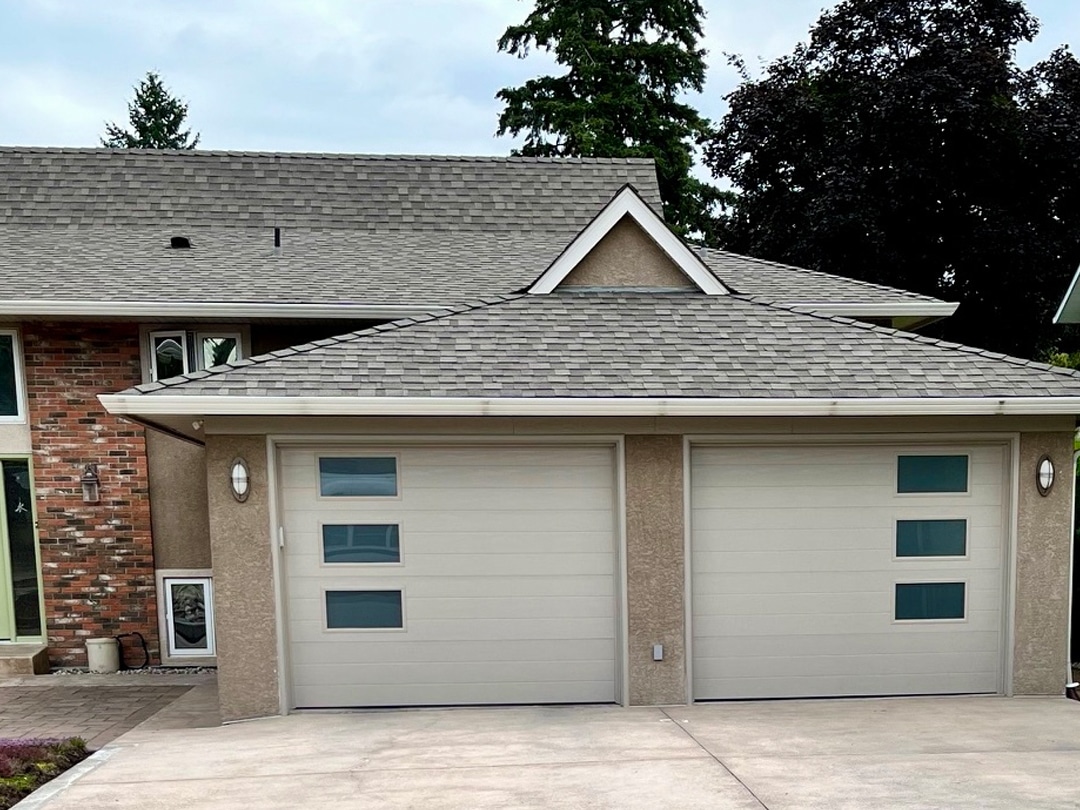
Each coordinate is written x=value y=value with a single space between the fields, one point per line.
x=797 y=285
x=94 y=225
x=629 y=345
x=135 y=187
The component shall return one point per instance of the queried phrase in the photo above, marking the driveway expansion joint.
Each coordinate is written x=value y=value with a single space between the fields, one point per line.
x=683 y=726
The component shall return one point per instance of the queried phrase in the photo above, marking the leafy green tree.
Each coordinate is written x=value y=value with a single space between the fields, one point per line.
x=156 y=118
x=628 y=63
x=903 y=145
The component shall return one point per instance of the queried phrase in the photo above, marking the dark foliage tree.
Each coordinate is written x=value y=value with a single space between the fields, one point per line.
x=904 y=146
x=156 y=118
x=628 y=63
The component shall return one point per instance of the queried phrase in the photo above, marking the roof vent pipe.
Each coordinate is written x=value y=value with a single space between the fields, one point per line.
x=277 y=241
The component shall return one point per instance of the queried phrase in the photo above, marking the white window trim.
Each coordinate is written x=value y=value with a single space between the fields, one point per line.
x=18 y=418
x=364 y=587
x=170 y=657
x=215 y=333
x=193 y=334
x=932 y=580
x=152 y=348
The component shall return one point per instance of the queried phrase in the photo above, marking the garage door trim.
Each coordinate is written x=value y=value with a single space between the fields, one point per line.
x=276 y=443
x=1009 y=439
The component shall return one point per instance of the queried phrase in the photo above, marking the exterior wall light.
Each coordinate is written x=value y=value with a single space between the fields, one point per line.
x=91 y=484
x=1044 y=476
x=240 y=480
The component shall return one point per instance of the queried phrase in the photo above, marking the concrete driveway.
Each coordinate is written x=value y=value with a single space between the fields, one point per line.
x=943 y=753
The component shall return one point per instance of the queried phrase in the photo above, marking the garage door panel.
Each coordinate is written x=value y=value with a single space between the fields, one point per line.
x=404 y=650
x=858 y=644
x=939 y=683
x=477 y=609
x=794 y=571
x=442 y=693
x=507 y=574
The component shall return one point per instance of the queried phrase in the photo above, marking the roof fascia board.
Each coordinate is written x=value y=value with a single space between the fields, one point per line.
x=1067 y=300
x=196 y=405
x=195 y=309
x=627 y=202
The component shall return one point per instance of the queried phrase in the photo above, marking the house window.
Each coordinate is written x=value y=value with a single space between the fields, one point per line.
x=363 y=543
x=189 y=616
x=931 y=538
x=926 y=474
x=177 y=352
x=358 y=477
x=364 y=610
x=926 y=601
x=10 y=377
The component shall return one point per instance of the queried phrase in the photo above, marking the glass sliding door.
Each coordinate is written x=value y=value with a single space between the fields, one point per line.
x=20 y=580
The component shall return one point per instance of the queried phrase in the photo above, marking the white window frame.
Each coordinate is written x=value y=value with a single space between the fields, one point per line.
x=19 y=417
x=172 y=333
x=216 y=333
x=185 y=657
x=191 y=343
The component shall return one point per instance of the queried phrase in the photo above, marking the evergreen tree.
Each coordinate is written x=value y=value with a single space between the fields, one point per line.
x=156 y=119
x=628 y=63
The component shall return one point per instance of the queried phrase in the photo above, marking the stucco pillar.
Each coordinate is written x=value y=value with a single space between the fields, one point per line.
x=655 y=568
x=1044 y=540
x=240 y=544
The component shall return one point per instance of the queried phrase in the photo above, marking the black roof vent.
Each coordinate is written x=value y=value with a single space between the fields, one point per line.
x=180 y=243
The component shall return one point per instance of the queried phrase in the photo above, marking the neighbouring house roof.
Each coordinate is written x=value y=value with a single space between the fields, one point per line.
x=608 y=352
x=85 y=232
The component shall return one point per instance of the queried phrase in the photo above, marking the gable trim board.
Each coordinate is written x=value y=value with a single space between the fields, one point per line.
x=231 y=405
x=627 y=203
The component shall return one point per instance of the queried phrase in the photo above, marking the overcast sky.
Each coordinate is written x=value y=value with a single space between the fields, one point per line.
x=377 y=76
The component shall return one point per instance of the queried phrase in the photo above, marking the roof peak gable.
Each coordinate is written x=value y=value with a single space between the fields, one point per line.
x=628 y=204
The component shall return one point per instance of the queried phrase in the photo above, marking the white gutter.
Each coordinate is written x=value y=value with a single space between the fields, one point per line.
x=936 y=309
x=193 y=405
x=199 y=309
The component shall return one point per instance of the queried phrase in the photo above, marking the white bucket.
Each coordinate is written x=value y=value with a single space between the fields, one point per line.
x=103 y=655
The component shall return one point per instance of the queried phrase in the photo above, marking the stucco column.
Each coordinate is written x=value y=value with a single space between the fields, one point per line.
x=246 y=623
x=655 y=568
x=1044 y=540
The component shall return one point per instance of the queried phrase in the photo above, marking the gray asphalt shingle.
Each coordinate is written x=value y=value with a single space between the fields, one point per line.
x=630 y=345
x=95 y=224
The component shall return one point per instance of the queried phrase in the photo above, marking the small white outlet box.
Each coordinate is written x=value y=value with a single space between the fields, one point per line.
x=657 y=652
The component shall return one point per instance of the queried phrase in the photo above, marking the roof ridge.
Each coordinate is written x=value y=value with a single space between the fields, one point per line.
x=914 y=338
x=809 y=271
x=93 y=150
x=347 y=337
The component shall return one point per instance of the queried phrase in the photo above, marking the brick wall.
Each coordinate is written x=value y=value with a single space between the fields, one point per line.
x=97 y=559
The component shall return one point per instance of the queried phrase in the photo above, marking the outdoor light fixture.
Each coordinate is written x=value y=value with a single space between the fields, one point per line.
x=91 y=484
x=1044 y=476
x=240 y=480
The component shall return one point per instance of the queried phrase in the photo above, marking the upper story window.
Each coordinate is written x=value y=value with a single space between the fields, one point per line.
x=173 y=352
x=11 y=382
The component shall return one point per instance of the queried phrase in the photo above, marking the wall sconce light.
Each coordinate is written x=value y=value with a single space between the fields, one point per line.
x=1044 y=475
x=240 y=480
x=91 y=484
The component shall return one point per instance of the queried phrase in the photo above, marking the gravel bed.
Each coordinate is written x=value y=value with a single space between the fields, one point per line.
x=143 y=671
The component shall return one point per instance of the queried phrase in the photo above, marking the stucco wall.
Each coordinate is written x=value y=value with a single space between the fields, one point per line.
x=655 y=572
x=1044 y=540
x=181 y=524
x=246 y=624
x=627 y=257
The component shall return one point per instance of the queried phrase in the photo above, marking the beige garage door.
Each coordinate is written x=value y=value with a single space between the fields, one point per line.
x=450 y=575
x=841 y=570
